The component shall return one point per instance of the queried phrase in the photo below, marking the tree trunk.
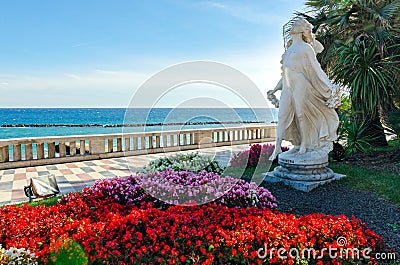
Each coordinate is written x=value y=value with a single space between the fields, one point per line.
x=375 y=131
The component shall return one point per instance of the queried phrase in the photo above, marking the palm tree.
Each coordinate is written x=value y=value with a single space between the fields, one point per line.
x=361 y=40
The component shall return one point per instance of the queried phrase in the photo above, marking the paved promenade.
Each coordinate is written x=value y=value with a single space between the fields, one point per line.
x=73 y=177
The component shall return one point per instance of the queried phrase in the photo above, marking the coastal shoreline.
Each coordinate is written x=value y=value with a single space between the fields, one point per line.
x=131 y=125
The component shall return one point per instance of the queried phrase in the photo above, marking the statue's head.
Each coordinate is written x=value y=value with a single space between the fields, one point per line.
x=301 y=25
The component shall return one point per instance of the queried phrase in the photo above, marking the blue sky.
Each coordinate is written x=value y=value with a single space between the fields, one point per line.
x=96 y=53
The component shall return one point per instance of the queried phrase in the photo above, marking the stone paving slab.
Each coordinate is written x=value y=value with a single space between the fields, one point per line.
x=72 y=177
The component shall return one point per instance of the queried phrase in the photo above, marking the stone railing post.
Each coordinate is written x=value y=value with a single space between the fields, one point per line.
x=127 y=144
x=119 y=144
x=4 y=154
x=205 y=139
x=40 y=151
x=72 y=148
x=62 y=149
x=17 y=152
x=96 y=146
x=82 y=147
x=28 y=152
x=164 y=140
x=51 y=149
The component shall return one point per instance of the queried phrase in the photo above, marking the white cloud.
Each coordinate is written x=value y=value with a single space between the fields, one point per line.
x=110 y=87
x=246 y=13
x=88 y=89
x=78 y=45
x=95 y=79
x=107 y=72
x=73 y=76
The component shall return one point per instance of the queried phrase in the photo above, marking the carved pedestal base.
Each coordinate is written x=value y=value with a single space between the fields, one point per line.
x=302 y=171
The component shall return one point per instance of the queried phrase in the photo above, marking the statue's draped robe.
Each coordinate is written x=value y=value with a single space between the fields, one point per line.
x=305 y=90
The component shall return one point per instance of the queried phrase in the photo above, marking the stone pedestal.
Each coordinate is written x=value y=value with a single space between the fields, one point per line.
x=303 y=171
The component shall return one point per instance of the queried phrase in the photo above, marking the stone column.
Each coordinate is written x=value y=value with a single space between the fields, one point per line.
x=62 y=149
x=205 y=139
x=28 y=152
x=119 y=144
x=127 y=144
x=82 y=147
x=72 y=148
x=51 y=149
x=17 y=152
x=40 y=151
x=110 y=145
x=158 y=141
x=96 y=146
x=4 y=154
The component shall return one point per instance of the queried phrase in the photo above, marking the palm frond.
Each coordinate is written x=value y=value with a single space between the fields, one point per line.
x=370 y=79
x=391 y=10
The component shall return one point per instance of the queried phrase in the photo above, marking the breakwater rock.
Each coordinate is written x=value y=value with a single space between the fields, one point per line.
x=127 y=125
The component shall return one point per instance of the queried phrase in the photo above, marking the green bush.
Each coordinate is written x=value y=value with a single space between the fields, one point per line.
x=67 y=251
x=185 y=162
x=394 y=122
x=352 y=131
x=345 y=104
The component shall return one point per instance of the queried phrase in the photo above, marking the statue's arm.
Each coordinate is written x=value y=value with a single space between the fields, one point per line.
x=277 y=87
x=271 y=95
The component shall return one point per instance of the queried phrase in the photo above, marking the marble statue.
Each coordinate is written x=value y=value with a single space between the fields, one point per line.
x=307 y=117
x=306 y=108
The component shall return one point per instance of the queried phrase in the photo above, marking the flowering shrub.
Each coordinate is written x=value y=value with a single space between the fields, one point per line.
x=257 y=154
x=209 y=234
x=67 y=251
x=17 y=256
x=183 y=187
x=118 y=221
x=193 y=162
x=121 y=190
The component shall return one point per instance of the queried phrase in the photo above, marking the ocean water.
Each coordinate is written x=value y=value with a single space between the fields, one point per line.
x=156 y=119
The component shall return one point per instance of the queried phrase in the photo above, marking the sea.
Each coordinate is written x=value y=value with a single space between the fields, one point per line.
x=41 y=122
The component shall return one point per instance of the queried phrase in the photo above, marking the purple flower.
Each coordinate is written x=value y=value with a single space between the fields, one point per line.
x=170 y=187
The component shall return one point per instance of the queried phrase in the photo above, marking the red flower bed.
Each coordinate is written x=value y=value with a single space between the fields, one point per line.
x=256 y=155
x=111 y=233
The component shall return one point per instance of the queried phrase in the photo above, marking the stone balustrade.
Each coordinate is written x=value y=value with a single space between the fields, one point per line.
x=24 y=152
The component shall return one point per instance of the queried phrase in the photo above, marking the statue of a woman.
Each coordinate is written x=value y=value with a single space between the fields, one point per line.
x=306 y=111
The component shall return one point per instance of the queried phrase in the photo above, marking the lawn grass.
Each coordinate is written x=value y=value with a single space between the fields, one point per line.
x=45 y=201
x=248 y=173
x=394 y=145
x=385 y=185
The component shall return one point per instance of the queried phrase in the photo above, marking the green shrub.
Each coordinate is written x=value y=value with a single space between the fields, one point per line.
x=67 y=251
x=394 y=122
x=185 y=162
x=345 y=104
x=352 y=131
